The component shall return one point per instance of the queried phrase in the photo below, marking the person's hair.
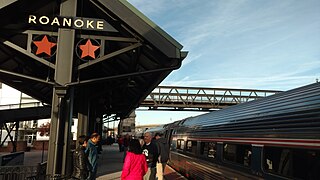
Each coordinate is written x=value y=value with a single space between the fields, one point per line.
x=135 y=147
x=94 y=135
x=148 y=133
x=82 y=139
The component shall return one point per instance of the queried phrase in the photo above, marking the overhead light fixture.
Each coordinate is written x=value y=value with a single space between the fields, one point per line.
x=17 y=81
x=132 y=83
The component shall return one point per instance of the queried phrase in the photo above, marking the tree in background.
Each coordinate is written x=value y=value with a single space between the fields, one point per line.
x=44 y=129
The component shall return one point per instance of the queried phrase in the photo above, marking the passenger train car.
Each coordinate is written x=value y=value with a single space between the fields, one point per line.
x=277 y=137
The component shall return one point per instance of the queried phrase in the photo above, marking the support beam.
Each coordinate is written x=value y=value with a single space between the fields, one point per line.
x=25 y=52
x=121 y=76
x=62 y=101
x=83 y=115
x=8 y=134
x=109 y=38
x=26 y=77
x=16 y=135
x=108 y=56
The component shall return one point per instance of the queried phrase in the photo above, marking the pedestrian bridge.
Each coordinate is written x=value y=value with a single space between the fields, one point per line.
x=200 y=99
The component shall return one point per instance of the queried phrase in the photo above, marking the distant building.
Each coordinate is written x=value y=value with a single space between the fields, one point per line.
x=127 y=126
x=28 y=130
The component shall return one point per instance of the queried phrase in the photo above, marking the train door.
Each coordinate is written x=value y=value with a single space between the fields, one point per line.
x=166 y=135
x=169 y=141
x=169 y=137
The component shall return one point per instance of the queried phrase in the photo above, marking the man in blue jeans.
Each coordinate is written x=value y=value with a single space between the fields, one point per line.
x=92 y=153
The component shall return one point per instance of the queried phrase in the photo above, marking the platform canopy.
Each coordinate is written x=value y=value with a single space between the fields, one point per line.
x=120 y=55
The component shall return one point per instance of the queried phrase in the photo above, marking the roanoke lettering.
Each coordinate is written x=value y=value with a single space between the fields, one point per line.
x=68 y=22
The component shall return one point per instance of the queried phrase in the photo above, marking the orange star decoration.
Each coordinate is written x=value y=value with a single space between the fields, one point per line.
x=44 y=46
x=88 y=49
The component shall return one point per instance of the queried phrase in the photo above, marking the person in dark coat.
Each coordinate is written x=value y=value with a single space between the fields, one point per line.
x=163 y=150
x=120 y=142
x=150 y=150
x=80 y=162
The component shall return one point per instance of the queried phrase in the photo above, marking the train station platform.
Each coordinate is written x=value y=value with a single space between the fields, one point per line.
x=110 y=163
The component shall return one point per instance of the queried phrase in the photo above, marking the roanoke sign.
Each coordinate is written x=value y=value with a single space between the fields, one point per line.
x=71 y=22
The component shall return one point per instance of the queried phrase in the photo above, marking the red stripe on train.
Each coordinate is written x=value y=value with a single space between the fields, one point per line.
x=310 y=143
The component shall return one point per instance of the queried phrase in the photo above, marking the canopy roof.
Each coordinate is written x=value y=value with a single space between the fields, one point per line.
x=135 y=54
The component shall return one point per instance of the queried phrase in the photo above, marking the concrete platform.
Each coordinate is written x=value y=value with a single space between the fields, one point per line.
x=110 y=163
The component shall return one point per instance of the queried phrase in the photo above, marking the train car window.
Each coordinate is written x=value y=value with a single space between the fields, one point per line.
x=294 y=163
x=192 y=146
x=208 y=149
x=180 y=144
x=171 y=143
x=238 y=153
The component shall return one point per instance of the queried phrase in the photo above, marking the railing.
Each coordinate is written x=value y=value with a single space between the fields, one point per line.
x=23 y=172
x=21 y=105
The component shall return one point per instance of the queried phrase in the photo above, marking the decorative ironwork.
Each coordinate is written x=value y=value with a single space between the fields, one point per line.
x=37 y=172
x=88 y=49
x=44 y=46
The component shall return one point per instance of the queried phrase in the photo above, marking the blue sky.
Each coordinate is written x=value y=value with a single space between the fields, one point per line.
x=250 y=44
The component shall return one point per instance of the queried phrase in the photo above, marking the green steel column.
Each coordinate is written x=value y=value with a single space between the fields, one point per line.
x=83 y=114
x=62 y=101
x=92 y=117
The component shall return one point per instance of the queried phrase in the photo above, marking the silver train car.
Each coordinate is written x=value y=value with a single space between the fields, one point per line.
x=277 y=137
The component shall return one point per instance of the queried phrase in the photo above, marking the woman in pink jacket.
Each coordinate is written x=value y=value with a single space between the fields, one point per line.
x=135 y=164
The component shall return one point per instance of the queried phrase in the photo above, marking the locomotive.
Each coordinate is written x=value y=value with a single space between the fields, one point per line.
x=277 y=137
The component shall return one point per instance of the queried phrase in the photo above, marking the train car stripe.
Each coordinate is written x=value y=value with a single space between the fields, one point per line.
x=313 y=143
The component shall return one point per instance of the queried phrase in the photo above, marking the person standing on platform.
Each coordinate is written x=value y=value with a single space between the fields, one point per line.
x=126 y=141
x=135 y=164
x=92 y=152
x=149 y=149
x=80 y=161
x=163 y=150
x=120 y=143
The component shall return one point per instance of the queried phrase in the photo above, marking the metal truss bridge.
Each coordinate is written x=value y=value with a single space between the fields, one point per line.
x=200 y=99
